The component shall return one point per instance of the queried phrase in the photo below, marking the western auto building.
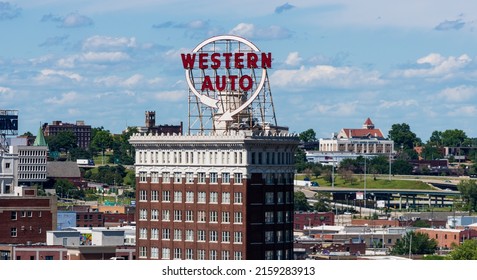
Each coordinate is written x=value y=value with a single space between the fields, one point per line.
x=223 y=192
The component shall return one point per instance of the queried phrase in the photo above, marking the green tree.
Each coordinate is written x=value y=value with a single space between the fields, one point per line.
x=102 y=140
x=301 y=202
x=403 y=137
x=435 y=139
x=401 y=167
x=453 y=137
x=308 y=135
x=466 y=251
x=66 y=189
x=468 y=189
x=420 y=244
x=63 y=141
x=322 y=203
x=430 y=152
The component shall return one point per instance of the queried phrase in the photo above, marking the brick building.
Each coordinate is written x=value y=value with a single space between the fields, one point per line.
x=25 y=219
x=79 y=129
x=312 y=219
x=446 y=238
x=215 y=197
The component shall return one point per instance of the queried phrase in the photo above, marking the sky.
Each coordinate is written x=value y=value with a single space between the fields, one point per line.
x=335 y=63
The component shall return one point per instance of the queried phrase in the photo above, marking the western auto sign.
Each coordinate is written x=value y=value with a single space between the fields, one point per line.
x=225 y=65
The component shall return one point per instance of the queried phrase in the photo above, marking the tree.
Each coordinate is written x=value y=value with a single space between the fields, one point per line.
x=308 y=135
x=63 y=141
x=420 y=244
x=102 y=140
x=66 y=189
x=468 y=189
x=430 y=152
x=403 y=137
x=301 y=202
x=453 y=137
x=466 y=251
x=322 y=203
x=401 y=167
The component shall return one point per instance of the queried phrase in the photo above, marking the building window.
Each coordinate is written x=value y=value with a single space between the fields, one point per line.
x=143 y=214
x=225 y=255
x=269 y=217
x=154 y=214
x=142 y=252
x=269 y=236
x=280 y=197
x=279 y=236
x=238 y=237
x=142 y=177
x=177 y=234
x=225 y=178
x=237 y=217
x=166 y=196
x=213 y=197
x=213 y=177
x=189 y=216
x=154 y=196
x=201 y=254
x=189 y=235
x=189 y=177
x=213 y=217
x=225 y=236
x=269 y=198
x=189 y=254
x=142 y=195
x=177 y=253
x=237 y=178
x=13 y=232
x=280 y=217
x=177 y=177
x=189 y=197
x=177 y=215
x=166 y=253
x=213 y=236
x=166 y=215
x=178 y=196
x=201 y=216
x=225 y=198
x=237 y=255
x=238 y=198
x=13 y=215
x=166 y=234
x=201 y=177
x=154 y=233
x=154 y=177
x=212 y=254
x=143 y=233
x=201 y=197
x=225 y=217
x=166 y=177
x=154 y=253
x=201 y=235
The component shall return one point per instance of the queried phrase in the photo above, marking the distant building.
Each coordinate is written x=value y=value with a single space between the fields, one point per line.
x=447 y=238
x=68 y=170
x=312 y=219
x=151 y=127
x=25 y=218
x=80 y=130
x=365 y=140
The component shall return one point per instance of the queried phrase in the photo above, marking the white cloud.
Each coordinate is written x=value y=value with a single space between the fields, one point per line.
x=105 y=42
x=325 y=75
x=458 y=94
x=114 y=81
x=384 y=104
x=66 y=98
x=336 y=109
x=250 y=31
x=105 y=57
x=5 y=90
x=435 y=65
x=176 y=95
x=293 y=59
x=50 y=73
x=464 y=111
x=69 y=21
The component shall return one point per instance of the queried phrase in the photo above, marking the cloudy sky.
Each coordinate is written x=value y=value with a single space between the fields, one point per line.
x=335 y=62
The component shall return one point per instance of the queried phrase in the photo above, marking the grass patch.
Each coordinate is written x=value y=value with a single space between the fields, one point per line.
x=371 y=183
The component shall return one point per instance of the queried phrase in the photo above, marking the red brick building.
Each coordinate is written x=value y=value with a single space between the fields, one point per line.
x=312 y=219
x=26 y=219
x=79 y=129
x=446 y=238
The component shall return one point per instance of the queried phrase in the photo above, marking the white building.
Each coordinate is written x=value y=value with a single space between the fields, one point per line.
x=8 y=173
x=365 y=140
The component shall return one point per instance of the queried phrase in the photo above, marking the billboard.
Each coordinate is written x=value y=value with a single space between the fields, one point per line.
x=9 y=122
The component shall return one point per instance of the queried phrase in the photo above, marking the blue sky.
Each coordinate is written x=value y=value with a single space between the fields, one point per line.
x=335 y=62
